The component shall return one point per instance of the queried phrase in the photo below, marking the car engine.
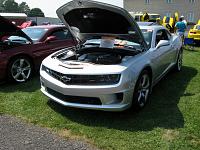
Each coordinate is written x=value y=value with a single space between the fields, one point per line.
x=96 y=57
x=100 y=58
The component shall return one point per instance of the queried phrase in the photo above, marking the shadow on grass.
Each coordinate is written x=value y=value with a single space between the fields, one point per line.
x=162 y=110
x=29 y=86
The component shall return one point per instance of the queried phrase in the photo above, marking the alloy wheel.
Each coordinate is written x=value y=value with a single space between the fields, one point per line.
x=21 y=70
x=143 y=90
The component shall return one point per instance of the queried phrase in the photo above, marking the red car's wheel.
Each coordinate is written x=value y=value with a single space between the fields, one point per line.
x=20 y=69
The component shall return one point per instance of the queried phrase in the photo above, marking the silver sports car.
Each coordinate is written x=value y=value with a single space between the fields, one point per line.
x=116 y=63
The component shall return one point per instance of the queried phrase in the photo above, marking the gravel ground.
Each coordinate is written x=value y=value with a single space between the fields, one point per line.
x=16 y=135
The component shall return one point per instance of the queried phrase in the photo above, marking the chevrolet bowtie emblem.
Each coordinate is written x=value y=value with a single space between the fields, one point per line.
x=65 y=79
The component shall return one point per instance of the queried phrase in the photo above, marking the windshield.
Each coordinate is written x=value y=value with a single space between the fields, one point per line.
x=112 y=43
x=198 y=27
x=138 y=18
x=35 y=33
x=147 y=36
x=154 y=16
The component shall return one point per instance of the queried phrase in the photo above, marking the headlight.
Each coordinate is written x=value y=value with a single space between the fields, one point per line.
x=107 y=79
x=43 y=68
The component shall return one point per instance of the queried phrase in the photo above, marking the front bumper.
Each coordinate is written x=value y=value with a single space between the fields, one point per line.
x=111 y=97
x=194 y=36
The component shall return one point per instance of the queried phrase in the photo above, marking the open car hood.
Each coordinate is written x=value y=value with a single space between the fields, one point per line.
x=93 y=18
x=7 y=28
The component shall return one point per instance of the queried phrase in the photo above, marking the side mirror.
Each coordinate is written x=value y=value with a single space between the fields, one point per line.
x=162 y=43
x=50 y=39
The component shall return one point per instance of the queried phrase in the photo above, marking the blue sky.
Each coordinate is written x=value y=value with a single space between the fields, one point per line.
x=49 y=7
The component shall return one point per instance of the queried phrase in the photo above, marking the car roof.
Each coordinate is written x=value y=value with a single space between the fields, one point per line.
x=47 y=26
x=142 y=13
x=153 y=27
x=146 y=23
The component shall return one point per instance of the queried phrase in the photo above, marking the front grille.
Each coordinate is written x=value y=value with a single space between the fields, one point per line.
x=75 y=99
x=83 y=79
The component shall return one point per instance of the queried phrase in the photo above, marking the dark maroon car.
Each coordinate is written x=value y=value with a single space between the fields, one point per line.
x=22 y=51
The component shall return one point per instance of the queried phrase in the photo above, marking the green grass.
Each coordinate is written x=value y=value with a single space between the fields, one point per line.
x=171 y=120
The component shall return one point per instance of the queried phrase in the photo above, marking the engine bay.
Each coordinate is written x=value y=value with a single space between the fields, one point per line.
x=95 y=58
x=95 y=55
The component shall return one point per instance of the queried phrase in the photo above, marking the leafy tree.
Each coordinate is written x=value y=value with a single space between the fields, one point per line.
x=10 y=6
x=23 y=7
x=1 y=5
x=36 y=12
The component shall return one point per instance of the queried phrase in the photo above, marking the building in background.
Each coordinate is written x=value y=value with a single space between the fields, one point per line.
x=45 y=20
x=188 y=8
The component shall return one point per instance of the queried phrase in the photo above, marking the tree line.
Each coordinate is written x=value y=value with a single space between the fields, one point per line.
x=10 y=6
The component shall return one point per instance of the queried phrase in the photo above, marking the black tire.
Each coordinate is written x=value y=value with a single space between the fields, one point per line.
x=20 y=69
x=179 y=61
x=142 y=90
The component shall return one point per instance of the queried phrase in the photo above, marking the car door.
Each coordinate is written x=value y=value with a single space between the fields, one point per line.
x=174 y=48
x=63 y=38
x=170 y=53
x=161 y=55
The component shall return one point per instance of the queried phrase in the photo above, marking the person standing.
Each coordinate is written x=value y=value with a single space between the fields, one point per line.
x=184 y=21
x=158 y=21
x=181 y=27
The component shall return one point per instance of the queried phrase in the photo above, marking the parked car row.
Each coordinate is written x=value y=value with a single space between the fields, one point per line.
x=22 y=51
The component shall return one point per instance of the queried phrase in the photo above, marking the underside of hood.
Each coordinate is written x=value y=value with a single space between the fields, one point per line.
x=91 y=17
x=7 y=28
x=97 y=20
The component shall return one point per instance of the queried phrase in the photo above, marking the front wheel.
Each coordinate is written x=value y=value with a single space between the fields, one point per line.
x=20 y=69
x=179 y=62
x=142 y=90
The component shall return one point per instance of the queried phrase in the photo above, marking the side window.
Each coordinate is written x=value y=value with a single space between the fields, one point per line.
x=62 y=34
x=161 y=35
x=137 y=18
x=168 y=34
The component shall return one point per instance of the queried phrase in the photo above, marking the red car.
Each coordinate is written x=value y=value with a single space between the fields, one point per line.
x=22 y=51
x=27 y=24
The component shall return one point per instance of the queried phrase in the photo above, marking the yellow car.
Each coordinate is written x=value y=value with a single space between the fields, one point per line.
x=145 y=17
x=169 y=23
x=194 y=33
